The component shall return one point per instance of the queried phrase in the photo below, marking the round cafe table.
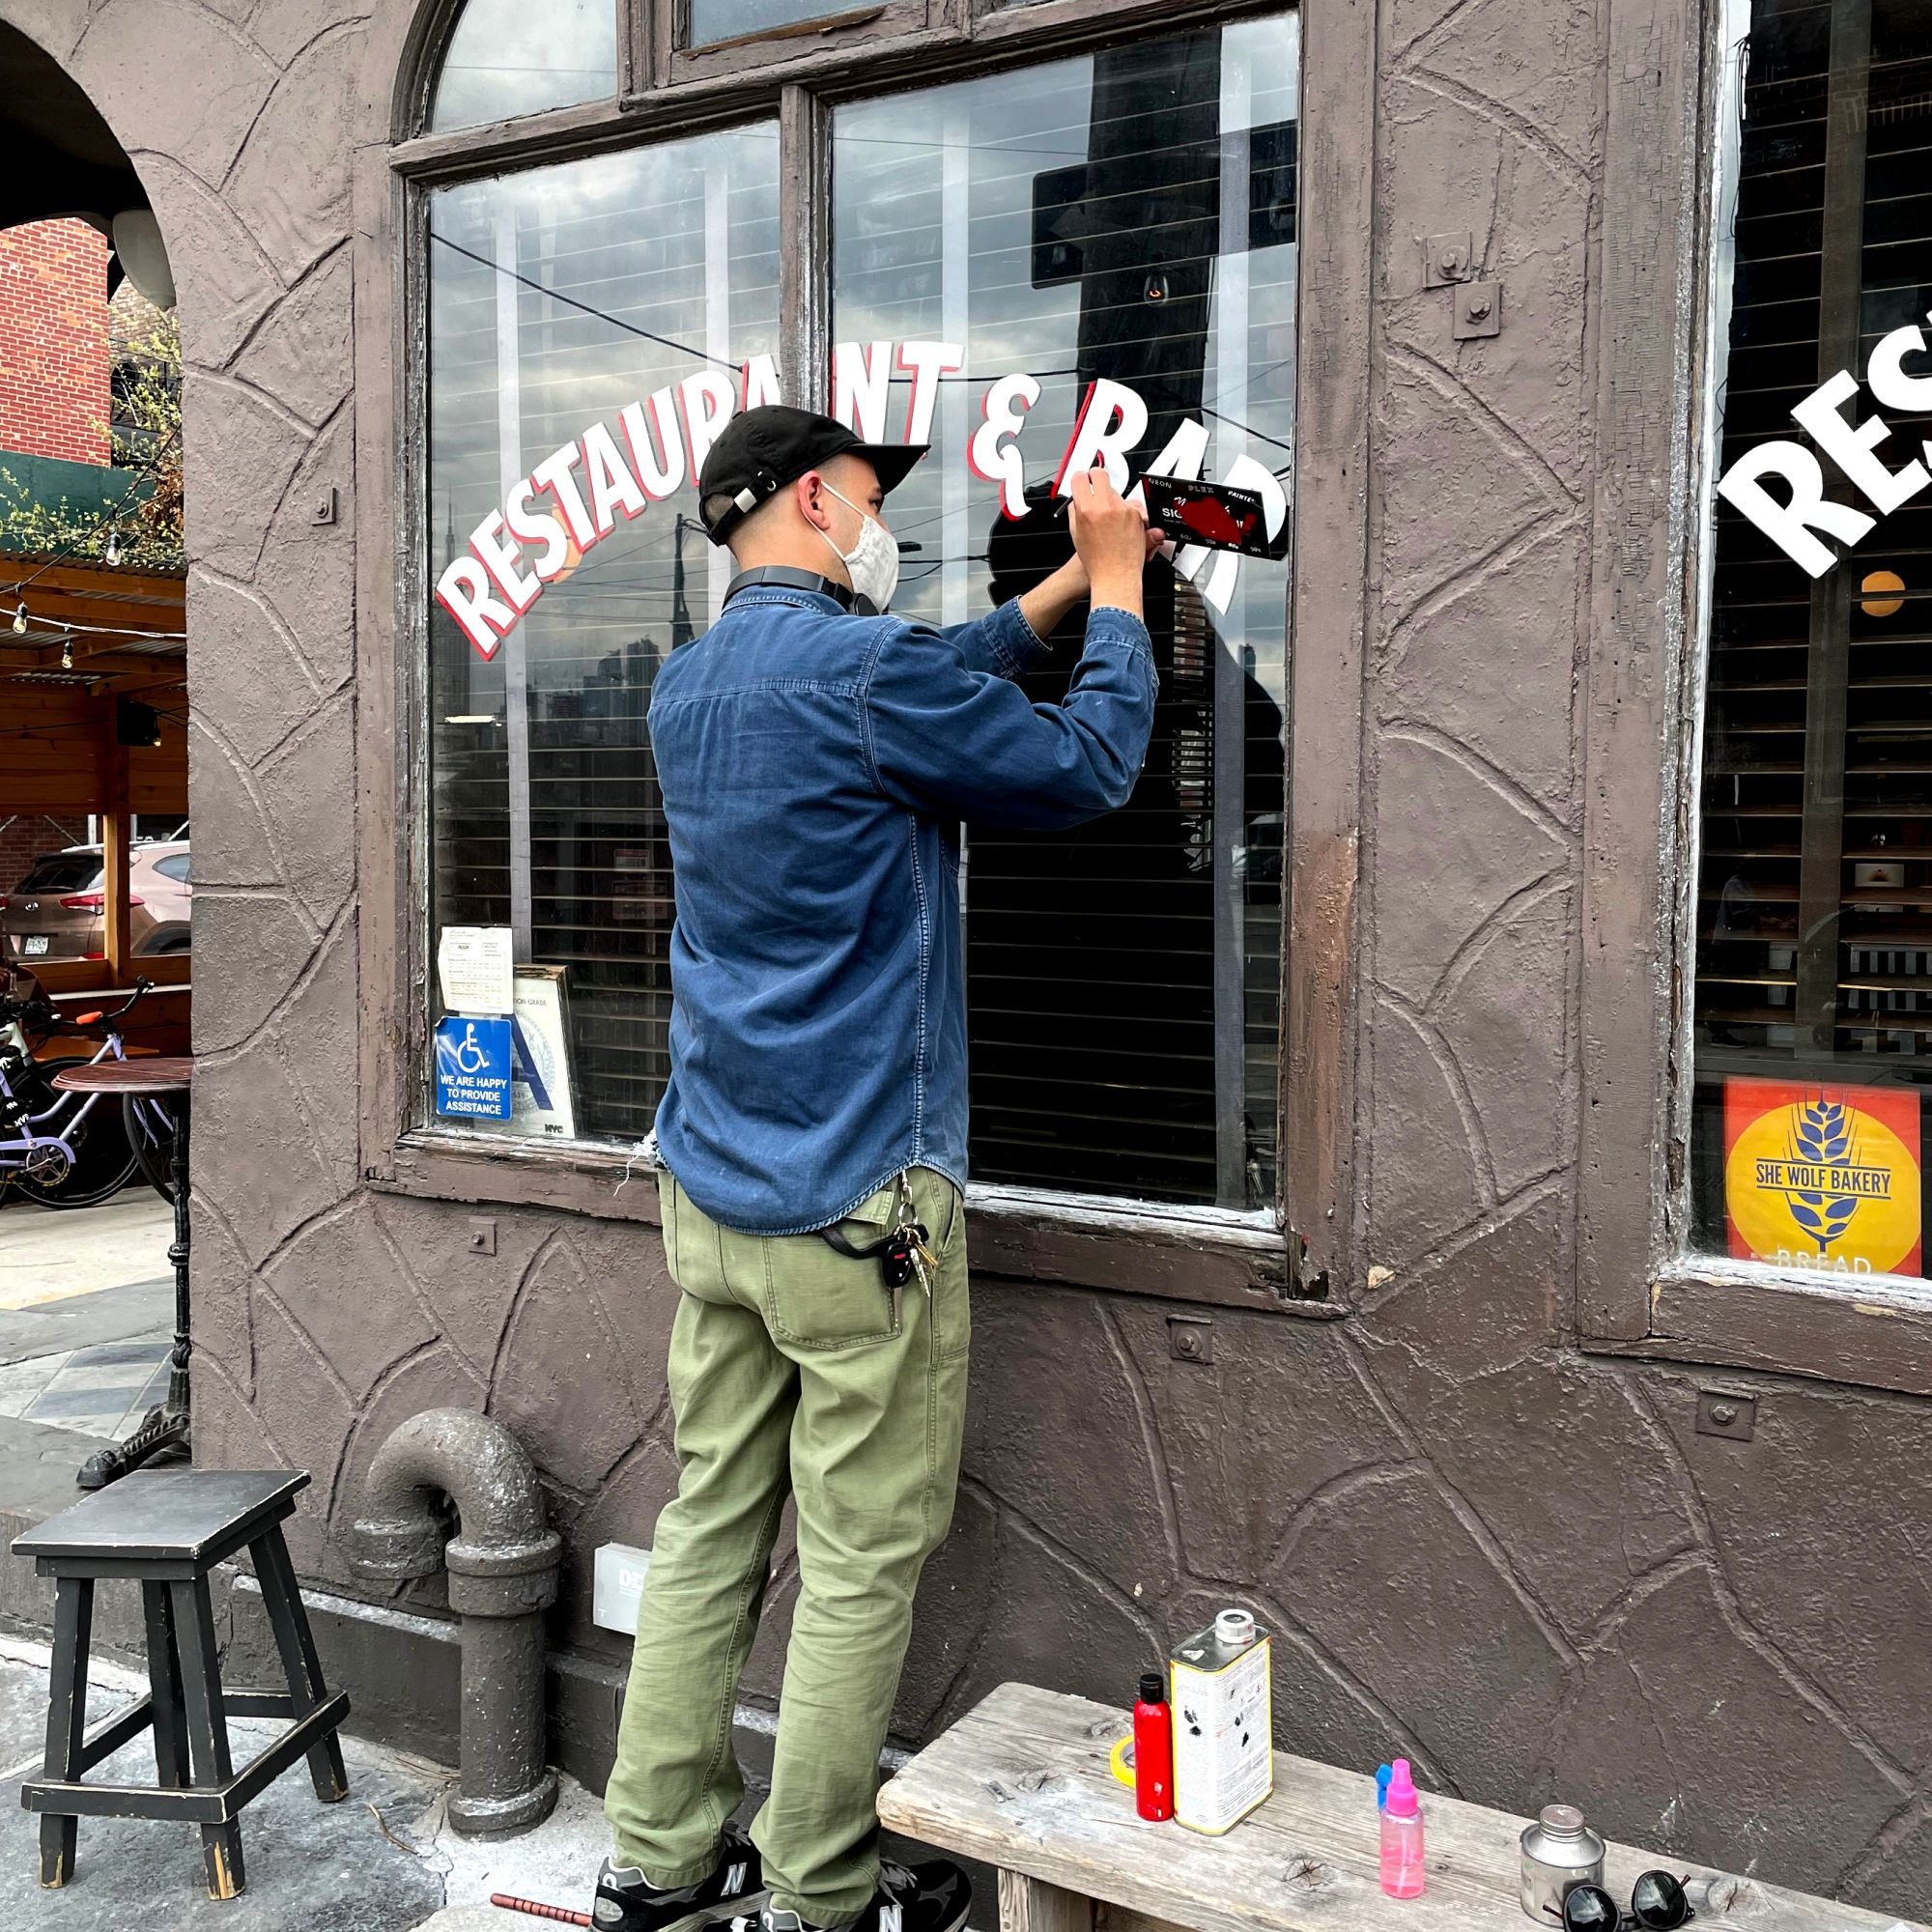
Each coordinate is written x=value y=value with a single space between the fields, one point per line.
x=165 y=1078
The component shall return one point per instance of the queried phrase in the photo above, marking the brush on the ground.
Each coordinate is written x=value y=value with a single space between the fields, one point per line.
x=562 y=1913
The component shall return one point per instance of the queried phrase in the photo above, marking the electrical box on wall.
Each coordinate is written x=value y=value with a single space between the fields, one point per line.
x=618 y=1583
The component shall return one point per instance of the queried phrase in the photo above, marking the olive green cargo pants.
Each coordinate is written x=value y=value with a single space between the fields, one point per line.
x=793 y=1370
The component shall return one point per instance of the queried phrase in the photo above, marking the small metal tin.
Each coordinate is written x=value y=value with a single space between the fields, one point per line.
x=1559 y=1853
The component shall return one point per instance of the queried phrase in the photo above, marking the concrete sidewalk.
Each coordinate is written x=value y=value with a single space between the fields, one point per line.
x=49 y=1254
x=384 y=1859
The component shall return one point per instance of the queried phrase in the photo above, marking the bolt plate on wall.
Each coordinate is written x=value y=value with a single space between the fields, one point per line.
x=1446 y=259
x=482 y=1236
x=1190 y=1338
x=1731 y=1416
x=1479 y=310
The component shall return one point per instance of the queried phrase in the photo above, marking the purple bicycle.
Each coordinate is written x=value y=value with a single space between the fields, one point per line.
x=69 y=1149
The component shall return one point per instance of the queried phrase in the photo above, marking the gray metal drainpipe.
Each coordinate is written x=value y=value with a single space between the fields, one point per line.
x=502 y=1567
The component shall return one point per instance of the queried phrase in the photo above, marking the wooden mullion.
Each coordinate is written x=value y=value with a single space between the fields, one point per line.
x=635 y=75
x=1840 y=287
x=804 y=239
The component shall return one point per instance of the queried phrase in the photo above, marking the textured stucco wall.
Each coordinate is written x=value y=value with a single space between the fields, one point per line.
x=1518 y=1563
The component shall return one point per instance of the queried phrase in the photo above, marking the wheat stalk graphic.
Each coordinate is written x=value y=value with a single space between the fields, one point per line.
x=1820 y=1134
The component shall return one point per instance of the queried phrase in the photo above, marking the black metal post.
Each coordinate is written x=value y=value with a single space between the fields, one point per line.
x=165 y=1428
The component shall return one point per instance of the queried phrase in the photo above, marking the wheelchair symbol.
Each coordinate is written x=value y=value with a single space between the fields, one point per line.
x=470 y=1056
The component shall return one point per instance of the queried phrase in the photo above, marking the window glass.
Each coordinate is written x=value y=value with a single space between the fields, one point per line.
x=589 y=327
x=62 y=872
x=714 y=20
x=1000 y=247
x=174 y=867
x=1815 y=894
x=506 y=57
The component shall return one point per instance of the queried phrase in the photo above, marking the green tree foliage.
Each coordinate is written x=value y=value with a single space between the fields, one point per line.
x=141 y=516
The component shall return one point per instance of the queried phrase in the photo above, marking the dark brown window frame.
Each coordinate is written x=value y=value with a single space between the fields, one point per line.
x=1640 y=1292
x=661 y=56
x=1298 y=1266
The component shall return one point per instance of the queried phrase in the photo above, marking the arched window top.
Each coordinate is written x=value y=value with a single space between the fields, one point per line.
x=506 y=57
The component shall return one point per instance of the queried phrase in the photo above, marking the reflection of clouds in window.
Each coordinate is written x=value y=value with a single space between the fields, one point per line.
x=557 y=297
x=507 y=57
x=1126 y=216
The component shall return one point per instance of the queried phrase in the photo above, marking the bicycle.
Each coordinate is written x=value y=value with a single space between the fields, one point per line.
x=68 y=1149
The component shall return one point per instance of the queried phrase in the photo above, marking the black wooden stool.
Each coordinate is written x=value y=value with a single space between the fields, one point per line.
x=169 y=1530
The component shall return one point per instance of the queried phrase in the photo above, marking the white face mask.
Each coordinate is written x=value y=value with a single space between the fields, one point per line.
x=872 y=562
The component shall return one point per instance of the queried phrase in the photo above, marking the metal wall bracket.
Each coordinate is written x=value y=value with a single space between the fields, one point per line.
x=1731 y=1416
x=1446 y=259
x=482 y=1236
x=1190 y=1338
x=322 y=506
x=1479 y=310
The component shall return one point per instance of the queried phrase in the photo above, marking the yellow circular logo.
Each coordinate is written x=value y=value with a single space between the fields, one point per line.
x=1820 y=1183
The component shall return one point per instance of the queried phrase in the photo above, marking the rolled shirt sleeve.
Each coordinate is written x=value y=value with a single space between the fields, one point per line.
x=1001 y=641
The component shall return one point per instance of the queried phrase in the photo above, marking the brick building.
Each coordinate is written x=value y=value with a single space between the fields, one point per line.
x=54 y=358
x=25 y=835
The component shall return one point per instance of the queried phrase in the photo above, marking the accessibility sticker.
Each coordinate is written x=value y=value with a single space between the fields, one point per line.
x=472 y=1069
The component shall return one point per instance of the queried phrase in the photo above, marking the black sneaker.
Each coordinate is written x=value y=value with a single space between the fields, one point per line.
x=910 y=1898
x=627 y=1901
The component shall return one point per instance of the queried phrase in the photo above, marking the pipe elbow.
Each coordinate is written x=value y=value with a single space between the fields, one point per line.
x=503 y=1539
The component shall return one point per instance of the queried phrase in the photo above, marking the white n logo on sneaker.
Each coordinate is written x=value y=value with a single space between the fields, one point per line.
x=889 y=1919
x=734 y=1879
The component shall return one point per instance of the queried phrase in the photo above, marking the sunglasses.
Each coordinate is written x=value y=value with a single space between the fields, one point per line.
x=1658 y=1904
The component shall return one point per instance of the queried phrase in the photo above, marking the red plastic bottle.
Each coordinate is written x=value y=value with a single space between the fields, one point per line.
x=1154 y=1750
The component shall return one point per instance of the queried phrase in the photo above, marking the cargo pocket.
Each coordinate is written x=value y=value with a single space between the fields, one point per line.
x=818 y=1298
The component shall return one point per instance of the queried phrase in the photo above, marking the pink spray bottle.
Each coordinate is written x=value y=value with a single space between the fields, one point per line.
x=1402 y=1835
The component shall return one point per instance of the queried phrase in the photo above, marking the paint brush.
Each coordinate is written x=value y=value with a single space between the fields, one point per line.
x=538 y=1909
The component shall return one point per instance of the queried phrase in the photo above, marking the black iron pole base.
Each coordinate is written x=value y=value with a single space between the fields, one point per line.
x=165 y=1429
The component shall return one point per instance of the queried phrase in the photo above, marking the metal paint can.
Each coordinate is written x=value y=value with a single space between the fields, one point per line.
x=1559 y=1851
x=1220 y=1686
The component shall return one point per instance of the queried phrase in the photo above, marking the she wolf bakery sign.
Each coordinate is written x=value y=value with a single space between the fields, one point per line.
x=1823 y=1177
x=572 y=499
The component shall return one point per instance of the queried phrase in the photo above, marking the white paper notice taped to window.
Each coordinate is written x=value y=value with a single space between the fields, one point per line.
x=542 y=1101
x=473 y=964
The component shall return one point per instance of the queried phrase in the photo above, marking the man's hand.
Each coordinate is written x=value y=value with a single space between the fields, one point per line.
x=1111 y=538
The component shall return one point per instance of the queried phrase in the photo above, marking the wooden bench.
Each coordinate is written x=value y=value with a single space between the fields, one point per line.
x=1023 y=1784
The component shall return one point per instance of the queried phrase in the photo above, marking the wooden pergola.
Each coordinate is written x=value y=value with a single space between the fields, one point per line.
x=94 y=635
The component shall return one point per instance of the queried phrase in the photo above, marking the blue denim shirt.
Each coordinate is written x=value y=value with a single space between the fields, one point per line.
x=814 y=767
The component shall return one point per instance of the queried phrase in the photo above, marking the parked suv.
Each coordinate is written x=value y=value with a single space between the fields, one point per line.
x=57 y=911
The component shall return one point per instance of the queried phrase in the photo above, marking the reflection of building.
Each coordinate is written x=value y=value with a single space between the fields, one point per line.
x=1456 y=1387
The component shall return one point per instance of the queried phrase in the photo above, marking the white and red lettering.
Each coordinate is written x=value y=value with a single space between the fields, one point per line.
x=1851 y=449
x=1789 y=524
x=759 y=383
x=861 y=374
x=1112 y=420
x=463 y=591
x=705 y=402
x=1910 y=395
x=926 y=362
x=530 y=526
x=1003 y=407
x=553 y=474
x=659 y=475
x=612 y=487
x=504 y=562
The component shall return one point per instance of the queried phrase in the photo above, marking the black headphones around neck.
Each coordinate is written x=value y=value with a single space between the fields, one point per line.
x=784 y=576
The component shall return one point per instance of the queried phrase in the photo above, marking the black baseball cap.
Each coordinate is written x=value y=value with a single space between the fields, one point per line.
x=760 y=450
